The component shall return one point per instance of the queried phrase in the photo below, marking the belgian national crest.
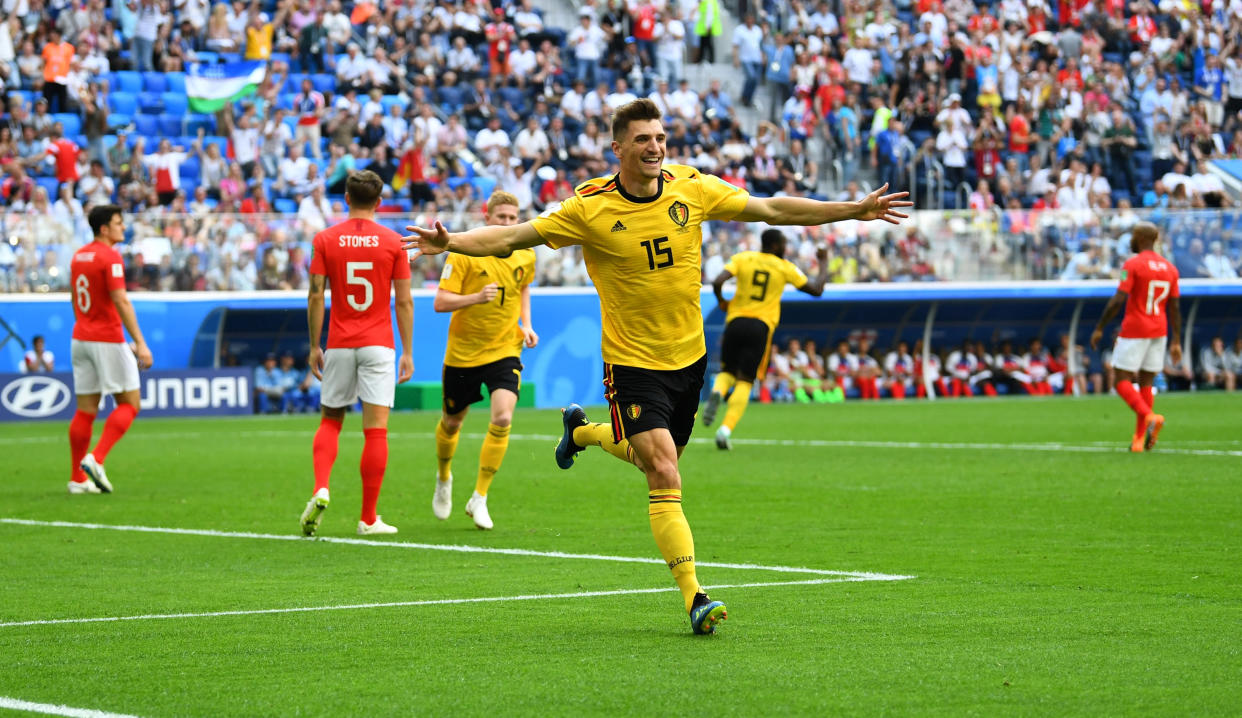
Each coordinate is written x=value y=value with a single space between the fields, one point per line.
x=634 y=410
x=679 y=213
x=518 y=273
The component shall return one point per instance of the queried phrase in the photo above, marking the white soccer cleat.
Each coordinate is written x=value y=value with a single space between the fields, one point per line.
x=83 y=487
x=376 y=529
x=476 y=508
x=722 y=439
x=442 y=501
x=95 y=471
x=314 y=512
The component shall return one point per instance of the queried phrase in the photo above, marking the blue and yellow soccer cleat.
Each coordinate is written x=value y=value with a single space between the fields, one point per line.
x=572 y=417
x=706 y=613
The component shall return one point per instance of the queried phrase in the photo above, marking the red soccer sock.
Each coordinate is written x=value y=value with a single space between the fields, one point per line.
x=80 y=442
x=1130 y=395
x=1140 y=422
x=374 y=461
x=323 y=450
x=940 y=387
x=114 y=428
x=898 y=389
x=989 y=389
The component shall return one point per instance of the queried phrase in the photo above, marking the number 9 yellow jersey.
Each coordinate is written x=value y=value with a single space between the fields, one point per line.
x=761 y=277
x=645 y=256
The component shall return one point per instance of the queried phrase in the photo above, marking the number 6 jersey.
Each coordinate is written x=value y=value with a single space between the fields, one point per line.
x=95 y=271
x=360 y=258
x=1149 y=280
x=645 y=256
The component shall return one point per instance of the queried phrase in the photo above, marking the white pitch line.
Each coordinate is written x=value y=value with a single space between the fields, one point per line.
x=433 y=602
x=57 y=710
x=862 y=575
x=1054 y=447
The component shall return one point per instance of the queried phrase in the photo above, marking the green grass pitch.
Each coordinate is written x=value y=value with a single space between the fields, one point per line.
x=1052 y=573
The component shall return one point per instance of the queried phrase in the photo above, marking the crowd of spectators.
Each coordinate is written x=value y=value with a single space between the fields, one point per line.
x=800 y=370
x=1063 y=121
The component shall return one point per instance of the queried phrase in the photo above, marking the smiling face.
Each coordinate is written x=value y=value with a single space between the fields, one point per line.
x=642 y=149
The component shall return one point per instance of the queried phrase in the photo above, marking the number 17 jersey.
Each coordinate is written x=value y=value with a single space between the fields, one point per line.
x=360 y=258
x=1149 y=280
x=761 y=278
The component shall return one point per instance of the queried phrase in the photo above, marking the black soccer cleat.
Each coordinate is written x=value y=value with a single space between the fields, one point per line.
x=572 y=417
x=709 y=409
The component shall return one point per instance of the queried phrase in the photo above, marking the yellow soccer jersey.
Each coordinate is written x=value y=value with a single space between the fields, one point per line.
x=644 y=255
x=484 y=333
x=761 y=277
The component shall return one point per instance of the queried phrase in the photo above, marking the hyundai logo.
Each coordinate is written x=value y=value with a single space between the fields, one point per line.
x=35 y=397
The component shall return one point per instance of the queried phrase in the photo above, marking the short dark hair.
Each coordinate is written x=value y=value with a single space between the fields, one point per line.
x=771 y=239
x=101 y=217
x=363 y=188
x=636 y=111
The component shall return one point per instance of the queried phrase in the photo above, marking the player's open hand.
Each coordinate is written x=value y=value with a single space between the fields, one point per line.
x=405 y=368
x=878 y=205
x=1096 y=336
x=143 y=355
x=529 y=338
x=427 y=241
x=315 y=362
x=1175 y=352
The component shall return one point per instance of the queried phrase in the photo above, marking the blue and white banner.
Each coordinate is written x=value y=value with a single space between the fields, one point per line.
x=193 y=392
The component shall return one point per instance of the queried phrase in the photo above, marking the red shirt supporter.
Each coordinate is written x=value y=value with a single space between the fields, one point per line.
x=66 y=154
x=1149 y=280
x=360 y=259
x=982 y=21
x=644 y=22
x=95 y=271
x=1019 y=134
x=1068 y=78
x=1142 y=29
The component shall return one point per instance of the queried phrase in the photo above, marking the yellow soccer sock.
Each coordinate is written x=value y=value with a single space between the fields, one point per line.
x=737 y=404
x=495 y=444
x=723 y=383
x=446 y=446
x=673 y=537
x=601 y=435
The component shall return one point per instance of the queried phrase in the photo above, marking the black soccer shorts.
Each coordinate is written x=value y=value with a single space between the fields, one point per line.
x=743 y=347
x=645 y=399
x=462 y=386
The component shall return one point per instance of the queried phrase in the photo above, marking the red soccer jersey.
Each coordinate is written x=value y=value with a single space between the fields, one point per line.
x=1150 y=280
x=95 y=271
x=360 y=259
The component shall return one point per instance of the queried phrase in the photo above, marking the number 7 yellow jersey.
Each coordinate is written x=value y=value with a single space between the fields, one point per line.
x=761 y=278
x=483 y=333
x=645 y=256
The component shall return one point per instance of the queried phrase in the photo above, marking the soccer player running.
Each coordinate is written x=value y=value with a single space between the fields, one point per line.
x=750 y=318
x=102 y=362
x=642 y=242
x=487 y=296
x=361 y=260
x=1148 y=281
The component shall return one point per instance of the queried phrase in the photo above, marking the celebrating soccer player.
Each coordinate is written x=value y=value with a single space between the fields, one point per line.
x=487 y=296
x=102 y=362
x=1148 y=282
x=641 y=238
x=362 y=261
x=751 y=317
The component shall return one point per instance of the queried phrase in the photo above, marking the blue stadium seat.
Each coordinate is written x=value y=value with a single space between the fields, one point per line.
x=170 y=125
x=455 y=182
x=116 y=120
x=281 y=57
x=71 y=122
x=175 y=103
x=207 y=122
x=483 y=187
x=294 y=82
x=123 y=102
x=176 y=82
x=362 y=163
x=285 y=206
x=208 y=58
x=146 y=126
x=387 y=101
x=154 y=82
x=449 y=98
x=26 y=96
x=515 y=97
x=51 y=184
x=284 y=101
x=129 y=82
x=190 y=169
x=221 y=142
x=324 y=83
x=151 y=103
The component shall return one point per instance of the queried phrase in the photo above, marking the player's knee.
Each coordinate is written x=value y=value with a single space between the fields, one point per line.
x=452 y=422
x=662 y=473
x=502 y=420
x=333 y=413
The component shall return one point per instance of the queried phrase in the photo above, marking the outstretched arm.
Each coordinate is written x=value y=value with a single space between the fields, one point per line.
x=1114 y=305
x=447 y=301
x=486 y=241
x=809 y=212
x=815 y=287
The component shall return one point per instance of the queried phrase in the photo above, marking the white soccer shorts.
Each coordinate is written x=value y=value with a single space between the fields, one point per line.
x=103 y=367
x=1140 y=354
x=367 y=373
